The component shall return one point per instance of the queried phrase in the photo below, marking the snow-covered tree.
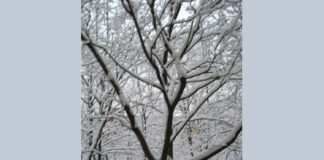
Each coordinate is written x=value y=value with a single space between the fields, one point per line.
x=161 y=79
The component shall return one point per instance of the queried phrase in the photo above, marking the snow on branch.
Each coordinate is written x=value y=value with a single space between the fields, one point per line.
x=221 y=146
x=122 y=97
x=149 y=82
x=194 y=111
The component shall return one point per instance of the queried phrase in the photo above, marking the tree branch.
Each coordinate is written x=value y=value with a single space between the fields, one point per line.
x=220 y=147
x=122 y=98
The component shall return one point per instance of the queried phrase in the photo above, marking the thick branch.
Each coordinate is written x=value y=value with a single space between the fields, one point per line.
x=122 y=98
x=128 y=71
x=220 y=147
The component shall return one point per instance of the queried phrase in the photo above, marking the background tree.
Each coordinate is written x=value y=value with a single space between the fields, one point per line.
x=161 y=79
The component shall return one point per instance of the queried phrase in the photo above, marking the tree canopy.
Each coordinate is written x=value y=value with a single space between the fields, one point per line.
x=161 y=79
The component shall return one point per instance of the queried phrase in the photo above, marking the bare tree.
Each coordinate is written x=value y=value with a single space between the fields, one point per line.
x=161 y=79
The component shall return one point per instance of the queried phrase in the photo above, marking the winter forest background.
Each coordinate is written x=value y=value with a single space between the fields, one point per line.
x=161 y=79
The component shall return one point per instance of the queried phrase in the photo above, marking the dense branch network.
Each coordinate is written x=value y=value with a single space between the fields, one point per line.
x=175 y=66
